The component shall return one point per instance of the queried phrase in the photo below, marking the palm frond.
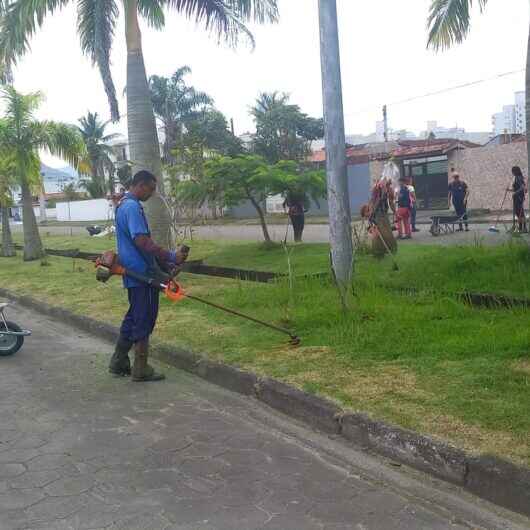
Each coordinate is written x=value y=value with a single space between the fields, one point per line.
x=109 y=137
x=449 y=22
x=268 y=101
x=6 y=72
x=259 y=11
x=18 y=24
x=226 y=18
x=191 y=99
x=153 y=12
x=19 y=108
x=173 y=99
x=179 y=75
x=96 y=23
x=59 y=139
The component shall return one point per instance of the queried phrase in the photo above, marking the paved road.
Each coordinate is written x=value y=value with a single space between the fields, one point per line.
x=80 y=450
x=317 y=233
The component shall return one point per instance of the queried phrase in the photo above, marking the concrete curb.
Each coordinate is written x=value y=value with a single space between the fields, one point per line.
x=488 y=477
x=313 y=410
x=228 y=377
x=420 y=452
x=500 y=482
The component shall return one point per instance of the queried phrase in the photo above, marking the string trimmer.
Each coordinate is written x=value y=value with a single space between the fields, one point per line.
x=108 y=265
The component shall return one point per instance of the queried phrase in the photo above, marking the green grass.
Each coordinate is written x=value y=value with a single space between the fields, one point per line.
x=502 y=269
x=426 y=362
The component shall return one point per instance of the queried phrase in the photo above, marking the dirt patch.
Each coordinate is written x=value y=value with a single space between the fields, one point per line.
x=522 y=366
x=390 y=391
x=369 y=385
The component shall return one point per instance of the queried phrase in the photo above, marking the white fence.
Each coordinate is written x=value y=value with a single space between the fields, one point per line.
x=275 y=204
x=93 y=210
x=51 y=213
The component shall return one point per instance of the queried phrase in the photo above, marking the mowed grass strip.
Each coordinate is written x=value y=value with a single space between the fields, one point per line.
x=426 y=362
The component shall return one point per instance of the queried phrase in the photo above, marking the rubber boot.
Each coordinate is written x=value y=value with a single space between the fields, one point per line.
x=120 y=365
x=142 y=372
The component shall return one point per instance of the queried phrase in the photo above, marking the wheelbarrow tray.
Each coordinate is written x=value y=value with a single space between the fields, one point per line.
x=444 y=224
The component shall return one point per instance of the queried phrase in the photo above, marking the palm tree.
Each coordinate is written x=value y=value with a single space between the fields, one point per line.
x=96 y=25
x=6 y=182
x=449 y=23
x=22 y=136
x=174 y=102
x=92 y=130
x=283 y=131
x=6 y=75
x=267 y=102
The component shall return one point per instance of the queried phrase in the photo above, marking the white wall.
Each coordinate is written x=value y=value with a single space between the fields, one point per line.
x=93 y=210
x=51 y=213
x=275 y=204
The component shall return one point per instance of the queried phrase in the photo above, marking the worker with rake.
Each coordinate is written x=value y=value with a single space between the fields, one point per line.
x=139 y=253
x=518 y=190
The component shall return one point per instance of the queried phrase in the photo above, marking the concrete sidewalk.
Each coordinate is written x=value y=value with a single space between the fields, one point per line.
x=313 y=233
x=81 y=450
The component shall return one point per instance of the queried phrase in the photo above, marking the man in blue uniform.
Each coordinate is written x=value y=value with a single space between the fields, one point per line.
x=458 y=194
x=137 y=252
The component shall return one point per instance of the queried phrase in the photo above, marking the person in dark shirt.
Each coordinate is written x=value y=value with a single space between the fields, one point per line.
x=458 y=195
x=518 y=190
x=404 y=203
x=295 y=204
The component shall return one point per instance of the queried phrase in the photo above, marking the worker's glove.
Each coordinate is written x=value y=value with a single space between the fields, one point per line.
x=179 y=256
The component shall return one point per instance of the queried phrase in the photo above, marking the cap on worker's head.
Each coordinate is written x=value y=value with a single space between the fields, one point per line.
x=456 y=176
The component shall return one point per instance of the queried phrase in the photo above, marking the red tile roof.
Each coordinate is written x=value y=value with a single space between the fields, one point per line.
x=357 y=154
x=414 y=148
x=406 y=149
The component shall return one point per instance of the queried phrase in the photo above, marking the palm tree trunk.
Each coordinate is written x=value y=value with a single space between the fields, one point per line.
x=8 y=248
x=96 y=184
x=528 y=100
x=32 y=241
x=262 y=220
x=42 y=206
x=143 y=137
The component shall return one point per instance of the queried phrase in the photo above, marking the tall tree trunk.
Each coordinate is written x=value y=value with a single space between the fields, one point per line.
x=32 y=241
x=143 y=136
x=262 y=220
x=528 y=101
x=96 y=184
x=112 y=179
x=8 y=248
x=338 y=194
x=42 y=206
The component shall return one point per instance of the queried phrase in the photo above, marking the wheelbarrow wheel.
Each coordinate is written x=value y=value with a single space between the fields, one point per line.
x=10 y=344
x=435 y=230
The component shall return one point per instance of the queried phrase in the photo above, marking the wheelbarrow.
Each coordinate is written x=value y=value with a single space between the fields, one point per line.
x=445 y=224
x=11 y=335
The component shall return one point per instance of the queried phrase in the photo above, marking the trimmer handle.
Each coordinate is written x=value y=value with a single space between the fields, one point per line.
x=174 y=291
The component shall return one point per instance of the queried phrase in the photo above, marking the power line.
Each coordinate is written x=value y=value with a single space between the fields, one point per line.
x=438 y=92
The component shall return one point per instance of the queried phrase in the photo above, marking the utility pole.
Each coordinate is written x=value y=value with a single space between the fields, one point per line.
x=232 y=128
x=385 y=122
x=337 y=173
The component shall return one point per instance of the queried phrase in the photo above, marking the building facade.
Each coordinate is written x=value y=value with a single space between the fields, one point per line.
x=487 y=171
x=512 y=119
x=429 y=163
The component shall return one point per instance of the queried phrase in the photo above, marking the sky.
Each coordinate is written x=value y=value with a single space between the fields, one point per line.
x=383 y=55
